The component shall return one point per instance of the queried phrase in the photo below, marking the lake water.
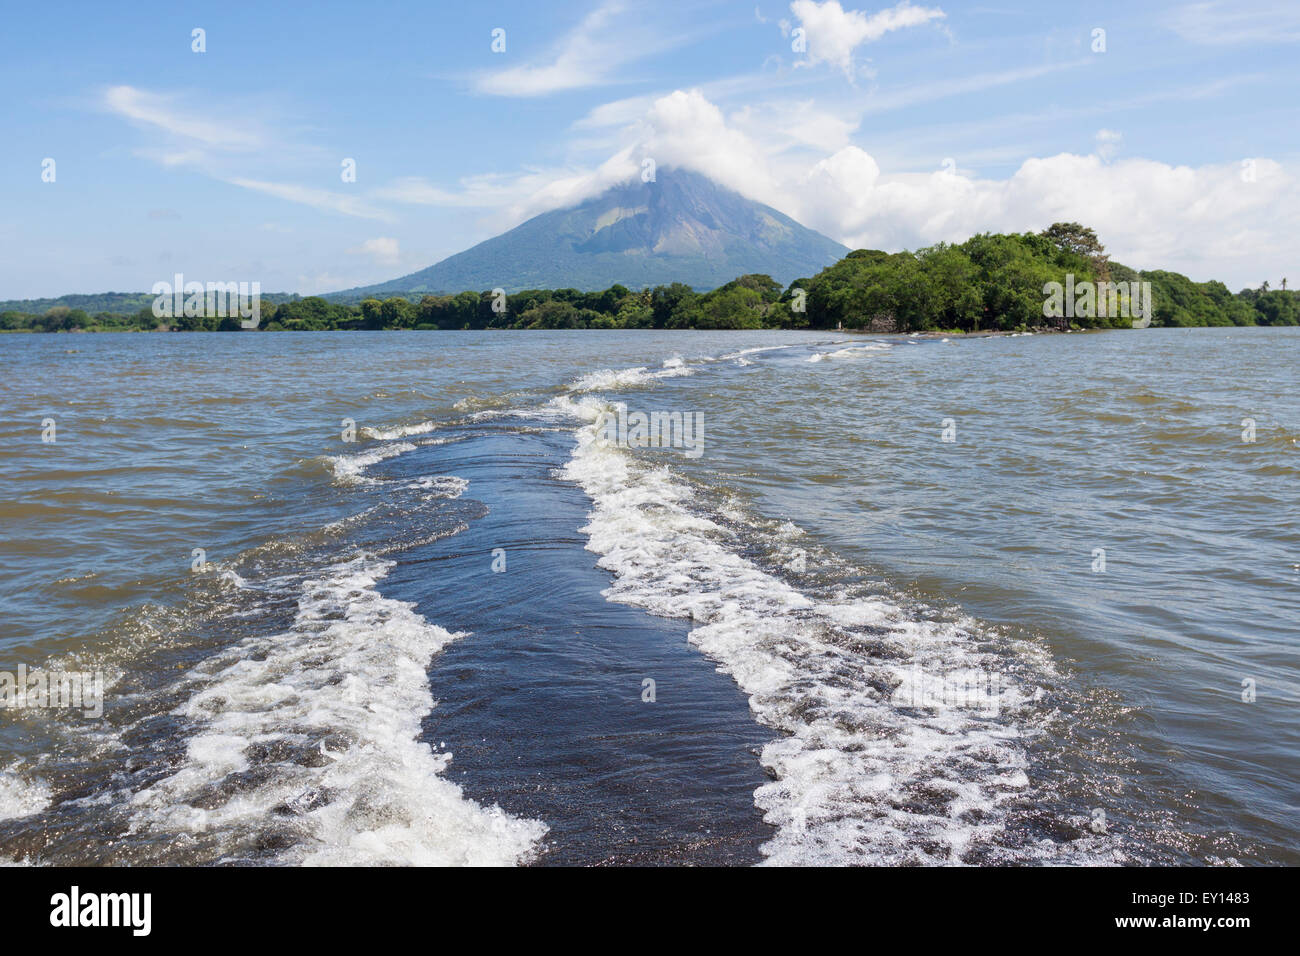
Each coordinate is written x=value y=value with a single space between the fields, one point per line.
x=412 y=598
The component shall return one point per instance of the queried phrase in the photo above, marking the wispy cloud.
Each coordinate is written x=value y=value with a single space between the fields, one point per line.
x=617 y=112
x=314 y=197
x=163 y=113
x=383 y=249
x=883 y=101
x=1008 y=138
x=1229 y=24
x=205 y=139
x=1108 y=142
x=611 y=36
x=514 y=197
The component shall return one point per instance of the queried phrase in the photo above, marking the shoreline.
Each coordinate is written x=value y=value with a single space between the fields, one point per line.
x=983 y=333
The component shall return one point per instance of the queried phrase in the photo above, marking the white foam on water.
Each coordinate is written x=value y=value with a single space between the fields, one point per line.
x=350 y=469
x=608 y=380
x=333 y=709
x=440 y=486
x=858 y=778
x=231 y=576
x=849 y=351
x=21 y=796
x=674 y=367
x=754 y=351
x=341 y=524
x=400 y=431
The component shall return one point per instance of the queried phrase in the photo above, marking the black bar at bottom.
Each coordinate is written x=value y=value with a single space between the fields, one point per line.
x=297 y=907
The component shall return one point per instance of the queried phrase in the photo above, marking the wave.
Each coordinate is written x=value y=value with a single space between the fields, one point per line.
x=849 y=351
x=440 y=486
x=754 y=351
x=21 y=796
x=866 y=770
x=306 y=744
x=607 y=380
x=349 y=469
x=400 y=431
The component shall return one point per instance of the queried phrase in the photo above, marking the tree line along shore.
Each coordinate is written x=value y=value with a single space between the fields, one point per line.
x=992 y=282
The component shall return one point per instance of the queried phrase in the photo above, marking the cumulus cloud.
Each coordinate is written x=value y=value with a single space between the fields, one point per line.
x=1222 y=221
x=680 y=129
x=1208 y=222
x=685 y=129
x=832 y=33
x=1213 y=221
x=788 y=124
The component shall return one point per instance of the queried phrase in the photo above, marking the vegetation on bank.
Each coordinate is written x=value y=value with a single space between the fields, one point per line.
x=991 y=282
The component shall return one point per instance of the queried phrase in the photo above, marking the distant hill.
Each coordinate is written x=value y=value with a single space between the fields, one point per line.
x=115 y=303
x=120 y=303
x=681 y=228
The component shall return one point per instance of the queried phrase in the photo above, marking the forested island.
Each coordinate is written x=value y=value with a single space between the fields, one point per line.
x=991 y=282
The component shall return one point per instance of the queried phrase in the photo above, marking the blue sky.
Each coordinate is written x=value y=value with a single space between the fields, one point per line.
x=890 y=126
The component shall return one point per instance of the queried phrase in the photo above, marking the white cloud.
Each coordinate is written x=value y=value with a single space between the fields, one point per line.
x=383 y=250
x=1227 y=24
x=833 y=33
x=182 y=157
x=573 y=188
x=883 y=101
x=314 y=197
x=161 y=112
x=420 y=192
x=1108 y=142
x=1207 y=221
x=612 y=35
x=616 y=113
x=685 y=129
x=787 y=124
x=185 y=136
x=517 y=195
x=682 y=128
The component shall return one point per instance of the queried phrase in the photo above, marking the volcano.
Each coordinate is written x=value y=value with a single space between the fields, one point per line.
x=682 y=227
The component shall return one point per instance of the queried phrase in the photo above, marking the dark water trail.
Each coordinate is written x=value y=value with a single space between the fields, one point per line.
x=544 y=705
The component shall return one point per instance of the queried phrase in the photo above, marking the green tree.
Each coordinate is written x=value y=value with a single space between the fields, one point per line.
x=1078 y=240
